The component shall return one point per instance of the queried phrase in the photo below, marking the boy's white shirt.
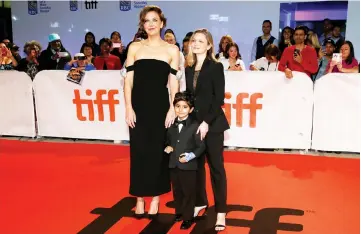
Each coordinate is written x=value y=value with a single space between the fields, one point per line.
x=263 y=63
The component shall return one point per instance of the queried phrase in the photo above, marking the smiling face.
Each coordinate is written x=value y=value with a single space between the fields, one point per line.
x=182 y=109
x=152 y=23
x=233 y=53
x=199 y=44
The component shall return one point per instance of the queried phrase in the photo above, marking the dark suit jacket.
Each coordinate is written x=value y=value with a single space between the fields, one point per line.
x=46 y=63
x=185 y=141
x=208 y=95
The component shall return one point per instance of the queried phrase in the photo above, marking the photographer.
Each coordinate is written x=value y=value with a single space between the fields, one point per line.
x=79 y=61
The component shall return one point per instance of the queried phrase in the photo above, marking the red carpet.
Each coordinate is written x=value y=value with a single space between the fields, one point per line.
x=64 y=188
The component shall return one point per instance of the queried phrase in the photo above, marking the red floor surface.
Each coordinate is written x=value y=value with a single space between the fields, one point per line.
x=64 y=188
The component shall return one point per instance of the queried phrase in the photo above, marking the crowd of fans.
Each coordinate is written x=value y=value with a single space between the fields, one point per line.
x=298 y=49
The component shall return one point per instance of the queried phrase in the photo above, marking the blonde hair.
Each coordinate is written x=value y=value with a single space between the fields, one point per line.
x=192 y=58
x=313 y=40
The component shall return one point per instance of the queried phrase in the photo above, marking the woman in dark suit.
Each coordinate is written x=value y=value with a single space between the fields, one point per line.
x=205 y=79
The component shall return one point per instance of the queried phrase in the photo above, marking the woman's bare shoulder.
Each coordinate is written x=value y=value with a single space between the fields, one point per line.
x=173 y=49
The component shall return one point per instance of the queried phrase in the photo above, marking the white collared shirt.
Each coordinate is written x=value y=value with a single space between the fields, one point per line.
x=225 y=63
x=180 y=126
x=262 y=64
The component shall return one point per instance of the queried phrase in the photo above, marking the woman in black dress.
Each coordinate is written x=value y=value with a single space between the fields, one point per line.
x=205 y=79
x=151 y=64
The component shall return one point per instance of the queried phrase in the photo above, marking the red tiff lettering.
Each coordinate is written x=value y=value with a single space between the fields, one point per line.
x=99 y=101
x=240 y=106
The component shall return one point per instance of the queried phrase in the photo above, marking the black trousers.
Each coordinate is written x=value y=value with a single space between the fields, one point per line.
x=214 y=155
x=184 y=191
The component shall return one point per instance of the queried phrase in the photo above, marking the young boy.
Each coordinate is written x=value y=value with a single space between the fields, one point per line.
x=184 y=145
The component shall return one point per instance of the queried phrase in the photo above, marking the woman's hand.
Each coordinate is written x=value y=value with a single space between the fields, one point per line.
x=253 y=68
x=8 y=53
x=130 y=117
x=169 y=120
x=203 y=129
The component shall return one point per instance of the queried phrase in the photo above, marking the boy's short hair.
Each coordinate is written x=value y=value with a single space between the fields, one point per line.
x=184 y=96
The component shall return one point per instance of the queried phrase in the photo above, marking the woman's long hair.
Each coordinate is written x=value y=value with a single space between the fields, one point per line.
x=192 y=58
x=352 y=52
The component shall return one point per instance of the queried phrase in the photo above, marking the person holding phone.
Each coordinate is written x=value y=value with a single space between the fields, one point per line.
x=299 y=57
x=117 y=49
x=344 y=62
x=7 y=60
x=55 y=56
x=232 y=60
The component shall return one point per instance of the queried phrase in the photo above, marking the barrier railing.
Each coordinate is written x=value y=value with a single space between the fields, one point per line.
x=264 y=109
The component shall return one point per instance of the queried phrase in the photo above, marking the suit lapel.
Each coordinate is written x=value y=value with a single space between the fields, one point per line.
x=204 y=67
x=184 y=128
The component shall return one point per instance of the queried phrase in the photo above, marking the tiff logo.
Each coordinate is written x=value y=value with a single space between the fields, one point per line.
x=99 y=101
x=91 y=4
x=265 y=221
x=240 y=106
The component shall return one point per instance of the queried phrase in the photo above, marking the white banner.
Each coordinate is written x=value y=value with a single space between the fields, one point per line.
x=92 y=110
x=16 y=104
x=268 y=110
x=336 y=119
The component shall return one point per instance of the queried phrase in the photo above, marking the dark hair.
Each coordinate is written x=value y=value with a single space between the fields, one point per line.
x=267 y=21
x=105 y=40
x=169 y=31
x=189 y=34
x=228 y=47
x=186 y=39
x=141 y=34
x=83 y=47
x=272 y=50
x=148 y=9
x=303 y=28
x=90 y=34
x=337 y=26
x=184 y=96
x=116 y=32
x=352 y=52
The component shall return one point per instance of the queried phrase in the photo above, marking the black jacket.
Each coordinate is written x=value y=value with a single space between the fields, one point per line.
x=185 y=141
x=209 y=95
x=46 y=63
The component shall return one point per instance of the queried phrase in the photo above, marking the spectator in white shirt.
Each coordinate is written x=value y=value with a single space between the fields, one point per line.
x=269 y=62
x=232 y=60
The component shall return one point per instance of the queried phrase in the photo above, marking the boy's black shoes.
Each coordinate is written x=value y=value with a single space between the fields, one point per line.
x=178 y=218
x=187 y=224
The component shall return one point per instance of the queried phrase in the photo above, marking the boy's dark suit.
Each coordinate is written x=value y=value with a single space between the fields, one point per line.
x=183 y=175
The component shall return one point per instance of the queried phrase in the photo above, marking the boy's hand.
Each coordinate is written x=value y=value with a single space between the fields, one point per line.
x=186 y=157
x=169 y=149
x=182 y=159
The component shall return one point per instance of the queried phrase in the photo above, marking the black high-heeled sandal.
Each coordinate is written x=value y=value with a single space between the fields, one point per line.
x=142 y=215
x=152 y=216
